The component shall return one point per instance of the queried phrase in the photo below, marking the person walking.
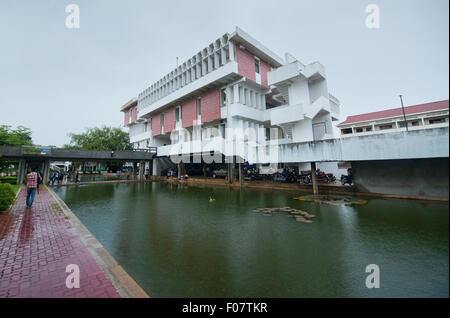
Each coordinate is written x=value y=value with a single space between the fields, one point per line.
x=32 y=183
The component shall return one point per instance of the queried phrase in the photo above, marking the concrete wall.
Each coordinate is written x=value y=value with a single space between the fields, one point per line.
x=418 y=177
x=428 y=143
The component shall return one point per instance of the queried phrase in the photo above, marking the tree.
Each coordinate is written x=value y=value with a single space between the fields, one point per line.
x=104 y=138
x=21 y=136
x=15 y=137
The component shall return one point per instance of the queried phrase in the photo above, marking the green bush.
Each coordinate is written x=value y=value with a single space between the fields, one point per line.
x=10 y=180
x=7 y=196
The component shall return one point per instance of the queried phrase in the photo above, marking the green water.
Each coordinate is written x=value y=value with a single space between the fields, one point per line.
x=175 y=243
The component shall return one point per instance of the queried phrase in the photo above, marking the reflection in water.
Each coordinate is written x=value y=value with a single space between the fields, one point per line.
x=176 y=243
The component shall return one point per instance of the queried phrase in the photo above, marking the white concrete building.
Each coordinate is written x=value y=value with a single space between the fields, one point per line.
x=423 y=116
x=238 y=83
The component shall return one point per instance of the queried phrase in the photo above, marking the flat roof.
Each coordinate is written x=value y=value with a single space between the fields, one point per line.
x=239 y=36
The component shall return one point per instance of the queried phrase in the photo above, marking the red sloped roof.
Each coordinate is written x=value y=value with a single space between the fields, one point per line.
x=394 y=112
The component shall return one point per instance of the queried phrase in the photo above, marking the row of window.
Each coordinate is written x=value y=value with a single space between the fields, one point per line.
x=400 y=124
x=196 y=67
x=178 y=116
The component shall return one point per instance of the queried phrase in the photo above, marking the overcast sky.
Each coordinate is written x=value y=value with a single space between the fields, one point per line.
x=56 y=80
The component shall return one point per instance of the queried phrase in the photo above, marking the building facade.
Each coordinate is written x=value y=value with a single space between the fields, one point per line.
x=238 y=84
x=423 y=116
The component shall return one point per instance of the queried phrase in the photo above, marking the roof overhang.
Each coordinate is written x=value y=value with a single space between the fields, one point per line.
x=131 y=103
x=255 y=47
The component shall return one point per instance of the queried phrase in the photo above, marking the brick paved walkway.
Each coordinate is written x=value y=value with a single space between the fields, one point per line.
x=36 y=245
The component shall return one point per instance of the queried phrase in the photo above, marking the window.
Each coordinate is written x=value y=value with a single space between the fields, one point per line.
x=385 y=127
x=347 y=131
x=369 y=129
x=256 y=65
x=401 y=124
x=145 y=126
x=415 y=123
x=199 y=107
x=437 y=120
x=223 y=97
x=359 y=130
x=131 y=114
x=161 y=120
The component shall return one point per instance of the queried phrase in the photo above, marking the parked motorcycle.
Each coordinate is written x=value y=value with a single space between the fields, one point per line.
x=305 y=177
x=347 y=179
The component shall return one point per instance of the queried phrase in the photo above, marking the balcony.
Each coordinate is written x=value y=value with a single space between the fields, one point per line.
x=141 y=136
x=286 y=114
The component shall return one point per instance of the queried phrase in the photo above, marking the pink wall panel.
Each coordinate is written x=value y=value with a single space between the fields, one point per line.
x=246 y=63
x=169 y=120
x=127 y=118
x=189 y=113
x=135 y=114
x=211 y=106
x=264 y=69
x=156 y=126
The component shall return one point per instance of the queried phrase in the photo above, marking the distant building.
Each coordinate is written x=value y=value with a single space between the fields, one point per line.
x=423 y=116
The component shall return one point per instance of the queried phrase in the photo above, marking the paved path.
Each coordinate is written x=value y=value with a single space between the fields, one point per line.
x=36 y=245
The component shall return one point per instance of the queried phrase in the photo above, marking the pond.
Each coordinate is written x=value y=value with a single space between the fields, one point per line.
x=187 y=241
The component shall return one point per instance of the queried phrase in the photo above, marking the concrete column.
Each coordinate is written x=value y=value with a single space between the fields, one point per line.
x=150 y=168
x=236 y=93
x=46 y=172
x=134 y=170
x=141 y=171
x=231 y=51
x=315 y=186
x=231 y=170
x=19 y=178
x=241 y=177
x=181 y=169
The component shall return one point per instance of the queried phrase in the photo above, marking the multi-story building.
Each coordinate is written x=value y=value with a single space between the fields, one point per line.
x=237 y=83
x=423 y=116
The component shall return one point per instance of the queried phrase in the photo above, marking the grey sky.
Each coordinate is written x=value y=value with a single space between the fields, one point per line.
x=56 y=80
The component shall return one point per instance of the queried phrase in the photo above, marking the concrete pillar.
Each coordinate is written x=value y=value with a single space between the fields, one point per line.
x=134 y=170
x=46 y=172
x=141 y=171
x=231 y=170
x=181 y=169
x=315 y=186
x=150 y=168
x=231 y=51
x=19 y=179
x=241 y=177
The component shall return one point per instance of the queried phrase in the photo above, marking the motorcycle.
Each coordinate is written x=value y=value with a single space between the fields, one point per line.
x=347 y=179
x=305 y=177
